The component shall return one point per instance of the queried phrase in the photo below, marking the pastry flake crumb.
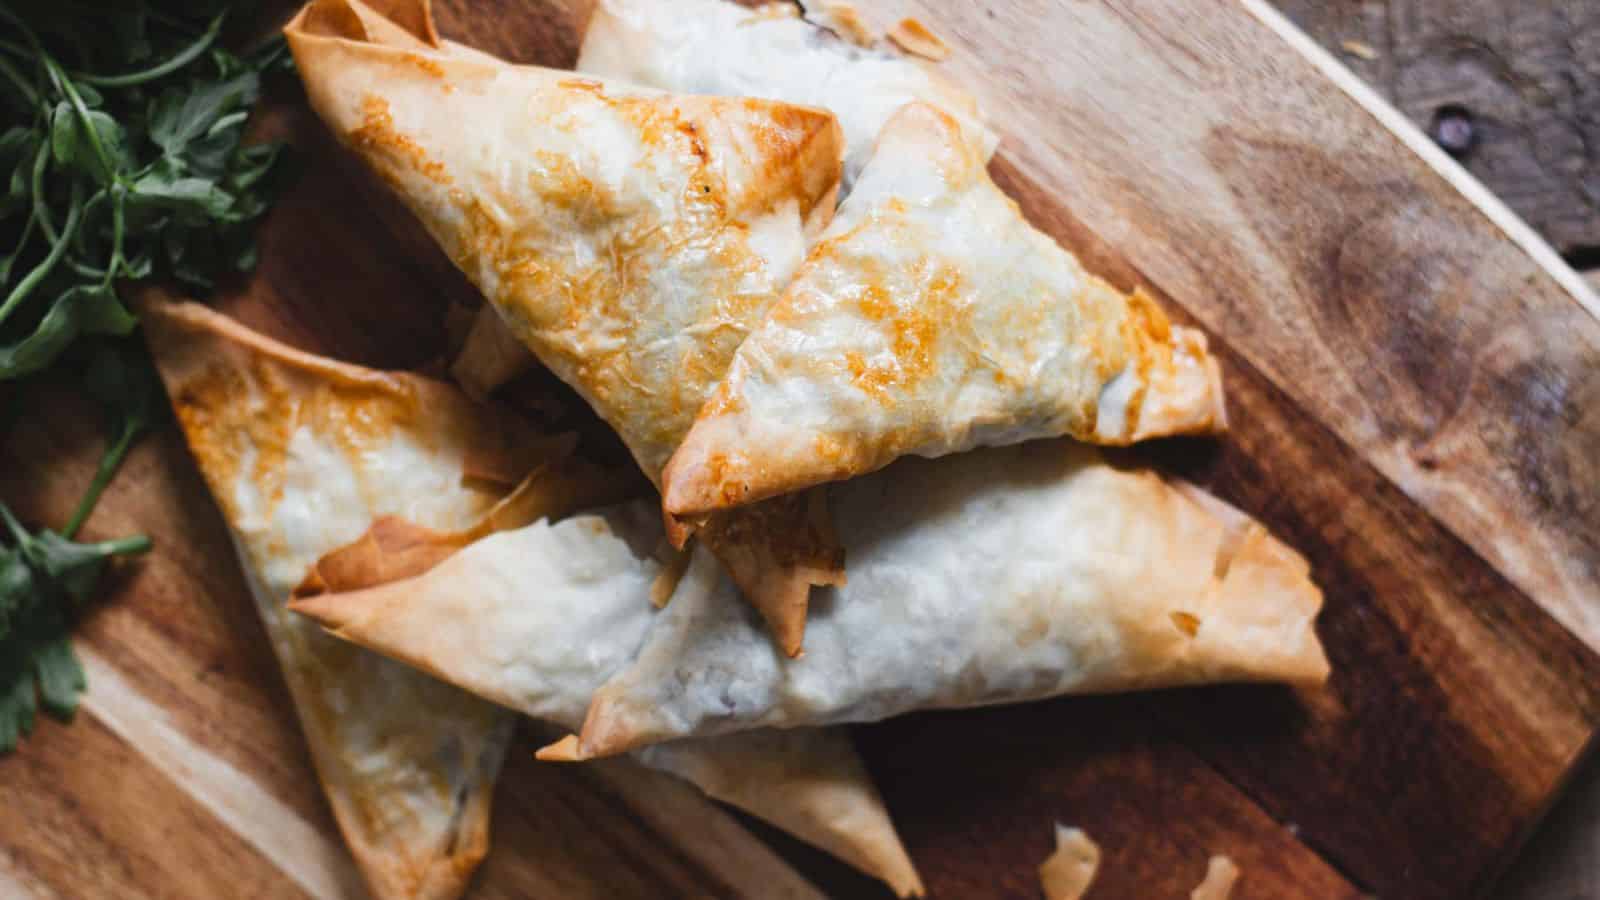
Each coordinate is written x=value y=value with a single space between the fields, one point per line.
x=1359 y=49
x=916 y=38
x=1068 y=872
x=1221 y=874
x=1188 y=623
x=843 y=19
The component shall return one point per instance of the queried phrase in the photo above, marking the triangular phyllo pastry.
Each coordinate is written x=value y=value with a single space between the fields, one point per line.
x=998 y=576
x=727 y=49
x=337 y=478
x=537 y=619
x=630 y=238
x=302 y=454
x=931 y=319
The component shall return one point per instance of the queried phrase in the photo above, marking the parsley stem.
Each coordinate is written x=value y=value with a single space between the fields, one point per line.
x=22 y=244
x=84 y=270
x=19 y=535
x=123 y=546
x=166 y=67
x=90 y=209
x=109 y=464
x=41 y=208
x=57 y=249
x=227 y=121
x=117 y=229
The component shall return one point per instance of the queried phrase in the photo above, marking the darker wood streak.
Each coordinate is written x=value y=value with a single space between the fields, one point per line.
x=1455 y=698
x=977 y=793
x=559 y=826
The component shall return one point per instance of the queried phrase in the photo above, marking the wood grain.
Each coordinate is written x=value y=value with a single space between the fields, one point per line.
x=1413 y=396
x=976 y=796
x=1414 y=621
x=1562 y=859
x=1528 y=72
x=1279 y=213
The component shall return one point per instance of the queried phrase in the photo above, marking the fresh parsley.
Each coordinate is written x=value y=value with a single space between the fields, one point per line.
x=120 y=159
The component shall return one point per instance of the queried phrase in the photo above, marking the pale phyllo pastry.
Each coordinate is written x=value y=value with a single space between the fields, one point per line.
x=303 y=455
x=930 y=319
x=335 y=478
x=780 y=52
x=630 y=238
x=827 y=59
x=997 y=576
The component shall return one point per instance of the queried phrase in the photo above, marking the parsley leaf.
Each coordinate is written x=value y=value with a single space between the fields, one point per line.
x=121 y=158
x=44 y=580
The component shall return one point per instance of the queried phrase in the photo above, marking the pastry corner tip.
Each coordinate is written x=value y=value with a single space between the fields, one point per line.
x=568 y=749
x=328 y=610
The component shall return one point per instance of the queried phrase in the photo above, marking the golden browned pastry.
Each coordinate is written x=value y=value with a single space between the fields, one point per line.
x=930 y=319
x=302 y=454
x=335 y=478
x=630 y=238
x=996 y=576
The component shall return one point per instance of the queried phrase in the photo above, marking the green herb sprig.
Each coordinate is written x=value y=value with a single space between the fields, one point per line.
x=120 y=159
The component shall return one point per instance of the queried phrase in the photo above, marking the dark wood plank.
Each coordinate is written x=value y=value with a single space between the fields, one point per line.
x=1455 y=698
x=976 y=795
x=1528 y=73
x=611 y=830
x=1560 y=860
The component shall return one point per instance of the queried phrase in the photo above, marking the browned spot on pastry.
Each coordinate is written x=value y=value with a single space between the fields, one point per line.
x=217 y=415
x=377 y=134
x=914 y=326
x=768 y=11
x=394 y=548
x=425 y=65
x=583 y=84
x=1187 y=623
x=800 y=150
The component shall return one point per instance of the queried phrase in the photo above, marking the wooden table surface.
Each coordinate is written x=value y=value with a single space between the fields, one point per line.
x=1348 y=286
x=1528 y=73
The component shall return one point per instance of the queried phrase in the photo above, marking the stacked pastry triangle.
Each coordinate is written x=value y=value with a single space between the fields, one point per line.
x=336 y=478
x=773 y=262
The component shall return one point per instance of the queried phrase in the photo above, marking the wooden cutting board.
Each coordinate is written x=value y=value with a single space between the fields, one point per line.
x=1415 y=385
